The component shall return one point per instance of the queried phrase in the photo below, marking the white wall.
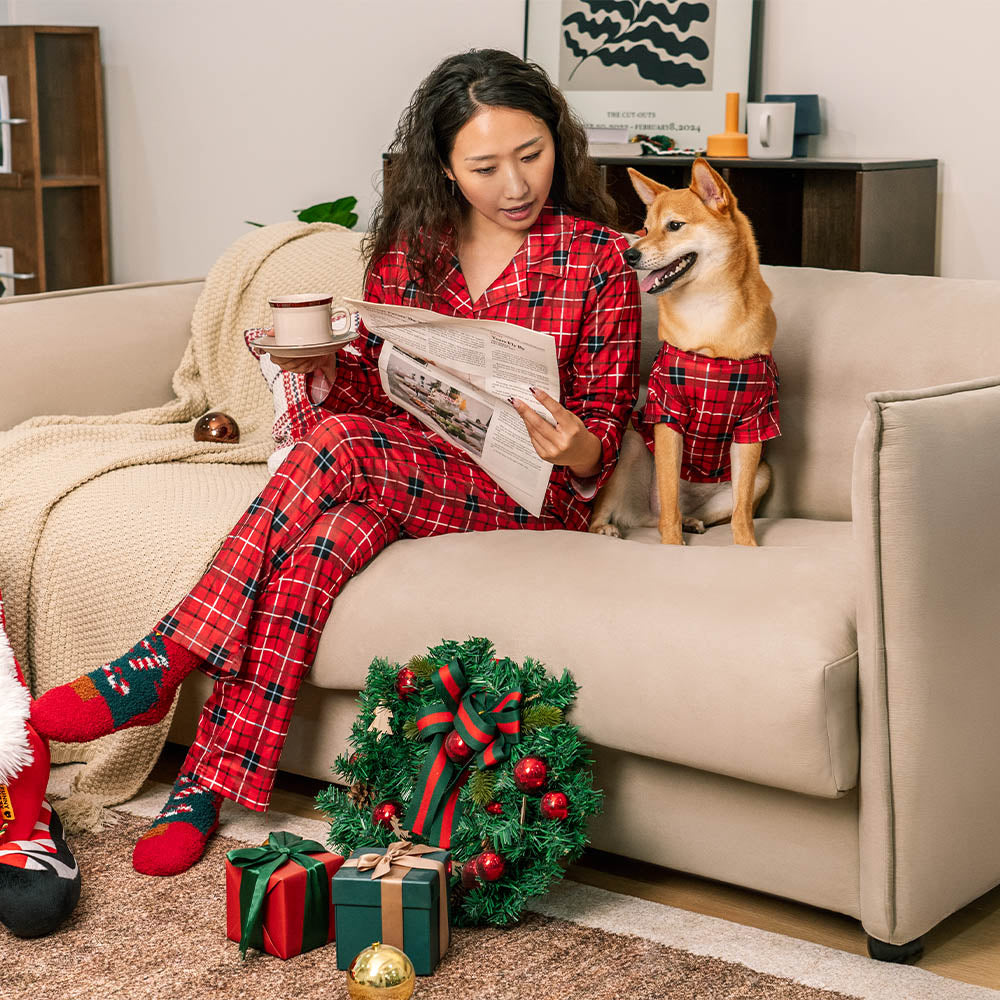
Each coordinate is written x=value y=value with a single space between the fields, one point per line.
x=219 y=111
x=907 y=79
x=225 y=110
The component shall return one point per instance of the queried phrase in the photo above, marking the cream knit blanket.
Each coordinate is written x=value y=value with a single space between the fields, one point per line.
x=46 y=459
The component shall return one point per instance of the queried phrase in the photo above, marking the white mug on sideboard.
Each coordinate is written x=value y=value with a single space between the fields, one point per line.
x=307 y=318
x=771 y=130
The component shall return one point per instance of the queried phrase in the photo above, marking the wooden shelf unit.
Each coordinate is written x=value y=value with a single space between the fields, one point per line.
x=53 y=207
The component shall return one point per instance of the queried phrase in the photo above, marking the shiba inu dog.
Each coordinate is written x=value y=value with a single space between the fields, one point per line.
x=713 y=389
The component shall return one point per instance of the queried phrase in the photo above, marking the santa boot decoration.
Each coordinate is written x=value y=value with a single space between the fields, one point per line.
x=39 y=877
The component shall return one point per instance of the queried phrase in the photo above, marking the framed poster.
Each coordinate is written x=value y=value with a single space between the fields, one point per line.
x=659 y=67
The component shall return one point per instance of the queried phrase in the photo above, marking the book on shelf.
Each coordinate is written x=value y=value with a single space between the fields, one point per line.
x=615 y=149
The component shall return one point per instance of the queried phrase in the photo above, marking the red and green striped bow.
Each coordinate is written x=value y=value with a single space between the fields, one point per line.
x=488 y=726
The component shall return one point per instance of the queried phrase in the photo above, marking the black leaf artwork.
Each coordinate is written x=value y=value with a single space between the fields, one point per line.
x=577 y=50
x=683 y=17
x=652 y=66
x=667 y=41
x=607 y=27
x=627 y=37
x=626 y=8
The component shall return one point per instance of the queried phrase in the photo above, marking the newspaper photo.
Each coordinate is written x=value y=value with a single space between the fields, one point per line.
x=455 y=375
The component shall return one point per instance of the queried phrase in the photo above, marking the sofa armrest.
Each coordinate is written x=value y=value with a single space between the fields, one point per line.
x=926 y=487
x=93 y=350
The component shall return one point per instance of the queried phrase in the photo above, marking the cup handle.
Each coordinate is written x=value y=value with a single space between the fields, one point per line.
x=765 y=129
x=340 y=320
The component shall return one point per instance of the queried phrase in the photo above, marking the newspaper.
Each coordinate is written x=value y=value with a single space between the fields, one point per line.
x=455 y=376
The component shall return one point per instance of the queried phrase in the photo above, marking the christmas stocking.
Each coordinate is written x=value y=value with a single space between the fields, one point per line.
x=39 y=878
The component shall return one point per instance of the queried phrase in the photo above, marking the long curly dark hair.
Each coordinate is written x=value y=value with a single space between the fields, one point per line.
x=419 y=206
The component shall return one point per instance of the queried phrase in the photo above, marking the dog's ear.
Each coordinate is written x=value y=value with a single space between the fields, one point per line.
x=645 y=188
x=714 y=192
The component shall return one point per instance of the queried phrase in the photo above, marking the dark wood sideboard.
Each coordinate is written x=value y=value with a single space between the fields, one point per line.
x=853 y=215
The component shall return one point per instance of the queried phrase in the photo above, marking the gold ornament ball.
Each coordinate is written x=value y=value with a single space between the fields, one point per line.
x=217 y=426
x=381 y=972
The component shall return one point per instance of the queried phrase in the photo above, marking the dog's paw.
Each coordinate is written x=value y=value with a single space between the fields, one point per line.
x=606 y=529
x=693 y=524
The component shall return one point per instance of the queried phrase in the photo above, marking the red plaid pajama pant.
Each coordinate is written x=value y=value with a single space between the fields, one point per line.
x=351 y=487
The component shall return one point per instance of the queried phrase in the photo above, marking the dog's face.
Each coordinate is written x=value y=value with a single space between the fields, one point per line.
x=689 y=231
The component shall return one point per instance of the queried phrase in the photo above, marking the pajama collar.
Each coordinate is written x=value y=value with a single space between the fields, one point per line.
x=545 y=251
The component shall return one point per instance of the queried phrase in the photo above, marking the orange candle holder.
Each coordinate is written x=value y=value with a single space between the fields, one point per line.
x=732 y=142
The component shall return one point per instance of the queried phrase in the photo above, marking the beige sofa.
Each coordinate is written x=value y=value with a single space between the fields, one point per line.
x=816 y=718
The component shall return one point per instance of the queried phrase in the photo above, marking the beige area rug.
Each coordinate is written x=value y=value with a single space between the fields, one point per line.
x=141 y=938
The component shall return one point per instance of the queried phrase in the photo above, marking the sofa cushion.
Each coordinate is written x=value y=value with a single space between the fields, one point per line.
x=734 y=660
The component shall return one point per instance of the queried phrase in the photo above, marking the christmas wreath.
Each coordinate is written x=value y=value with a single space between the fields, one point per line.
x=465 y=750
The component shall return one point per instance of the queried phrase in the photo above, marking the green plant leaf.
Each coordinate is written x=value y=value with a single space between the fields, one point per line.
x=339 y=211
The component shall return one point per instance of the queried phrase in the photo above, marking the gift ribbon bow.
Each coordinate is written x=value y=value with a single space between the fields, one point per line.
x=391 y=869
x=260 y=863
x=488 y=727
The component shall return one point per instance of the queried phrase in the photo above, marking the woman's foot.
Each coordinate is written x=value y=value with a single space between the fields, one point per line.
x=135 y=690
x=177 y=837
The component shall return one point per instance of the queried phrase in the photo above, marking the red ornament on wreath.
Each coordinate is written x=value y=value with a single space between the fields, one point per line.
x=384 y=812
x=530 y=774
x=489 y=866
x=406 y=684
x=470 y=875
x=456 y=748
x=494 y=808
x=555 y=805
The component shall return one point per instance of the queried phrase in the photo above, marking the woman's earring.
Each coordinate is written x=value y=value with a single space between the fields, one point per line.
x=451 y=182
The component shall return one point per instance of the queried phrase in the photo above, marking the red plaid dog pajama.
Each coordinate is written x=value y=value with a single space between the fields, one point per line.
x=712 y=402
x=368 y=473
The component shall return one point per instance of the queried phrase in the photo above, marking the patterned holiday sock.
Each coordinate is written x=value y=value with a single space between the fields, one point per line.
x=135 y=690
x=178 y=836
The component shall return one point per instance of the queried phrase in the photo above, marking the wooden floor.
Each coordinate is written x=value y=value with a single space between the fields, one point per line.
x=966 y=946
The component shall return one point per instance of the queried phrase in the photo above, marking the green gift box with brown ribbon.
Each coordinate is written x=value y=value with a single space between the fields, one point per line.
x=397 y=895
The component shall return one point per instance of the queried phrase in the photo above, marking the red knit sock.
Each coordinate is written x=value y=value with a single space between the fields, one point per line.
x=177 y=837
x=137 y=689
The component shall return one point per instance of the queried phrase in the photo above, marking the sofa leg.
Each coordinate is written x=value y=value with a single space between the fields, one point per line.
x=882 y=951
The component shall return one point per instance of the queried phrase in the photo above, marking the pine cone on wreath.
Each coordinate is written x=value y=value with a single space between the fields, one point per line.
x=361 y=794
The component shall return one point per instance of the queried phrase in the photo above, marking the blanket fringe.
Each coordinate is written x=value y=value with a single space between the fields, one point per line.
x=85 y=813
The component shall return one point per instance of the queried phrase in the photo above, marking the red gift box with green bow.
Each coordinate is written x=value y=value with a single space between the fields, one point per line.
x=278 y=895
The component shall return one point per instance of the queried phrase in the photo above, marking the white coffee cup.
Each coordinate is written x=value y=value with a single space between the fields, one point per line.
x=771 y=130
x=307 y=319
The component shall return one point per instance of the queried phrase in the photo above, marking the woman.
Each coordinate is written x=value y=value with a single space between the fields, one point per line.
x=494 y=211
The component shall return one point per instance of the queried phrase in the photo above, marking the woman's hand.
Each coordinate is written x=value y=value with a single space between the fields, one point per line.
x=325 y=363
x=568 y=443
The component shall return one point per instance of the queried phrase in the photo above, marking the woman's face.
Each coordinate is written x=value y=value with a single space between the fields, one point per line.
x=503 y=161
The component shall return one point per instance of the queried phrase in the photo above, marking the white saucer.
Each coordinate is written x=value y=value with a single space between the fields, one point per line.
x=267 y=343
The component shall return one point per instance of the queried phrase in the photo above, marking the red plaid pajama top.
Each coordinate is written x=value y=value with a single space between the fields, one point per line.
x=712 y=402
x=569 y=280
x=365 y=473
